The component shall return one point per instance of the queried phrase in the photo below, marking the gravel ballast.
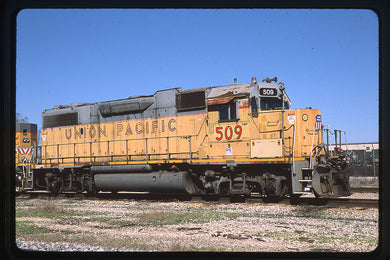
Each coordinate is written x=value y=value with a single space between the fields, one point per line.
x=131 y=225
x=64 y=247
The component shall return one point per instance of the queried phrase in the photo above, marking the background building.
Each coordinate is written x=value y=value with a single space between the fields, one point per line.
x=364 y=156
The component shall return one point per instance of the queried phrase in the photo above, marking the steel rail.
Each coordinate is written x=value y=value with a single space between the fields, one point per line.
x=365 y=190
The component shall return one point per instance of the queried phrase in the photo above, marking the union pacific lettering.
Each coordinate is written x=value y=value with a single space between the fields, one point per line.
x=124 y=129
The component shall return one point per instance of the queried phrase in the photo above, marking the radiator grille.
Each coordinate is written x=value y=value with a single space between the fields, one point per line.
x=190 y=101
x=60 y=120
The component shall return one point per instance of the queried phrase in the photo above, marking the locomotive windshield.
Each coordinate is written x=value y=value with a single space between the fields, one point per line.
x=273 y=104
x=272 y=96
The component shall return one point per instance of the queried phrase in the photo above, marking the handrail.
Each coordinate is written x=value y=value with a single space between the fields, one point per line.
x=278 y=130
x=311 y=148
x=270 y=131
x=110 y=158
x=293 y=148
x=122 y=140
x=49 y=160
x=204 y=120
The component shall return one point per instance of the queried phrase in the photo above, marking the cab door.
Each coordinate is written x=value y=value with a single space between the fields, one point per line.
x=227 y=121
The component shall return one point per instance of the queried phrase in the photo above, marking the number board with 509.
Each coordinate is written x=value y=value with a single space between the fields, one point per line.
x=268 y=92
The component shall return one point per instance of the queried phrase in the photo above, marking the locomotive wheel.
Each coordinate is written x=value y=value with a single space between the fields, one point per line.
x=284 y=189
x=278 y=197
x=19 y=188
x=18 y=183
x=55 y=187
x=316 y=194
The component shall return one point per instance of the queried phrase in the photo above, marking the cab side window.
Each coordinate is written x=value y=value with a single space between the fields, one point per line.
x=228 y=112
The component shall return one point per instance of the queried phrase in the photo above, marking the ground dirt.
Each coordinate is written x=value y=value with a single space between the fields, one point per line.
x=197 y=225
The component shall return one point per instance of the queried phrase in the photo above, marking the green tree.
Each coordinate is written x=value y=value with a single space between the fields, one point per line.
x=21 y=119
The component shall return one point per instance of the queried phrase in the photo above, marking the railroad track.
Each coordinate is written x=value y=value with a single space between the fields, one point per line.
x=366 y=203
x=339 y=202
x=365 y=190
x=332 y=202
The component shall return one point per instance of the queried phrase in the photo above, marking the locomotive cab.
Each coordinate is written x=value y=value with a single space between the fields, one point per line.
x=272 y=95
x=256 y=121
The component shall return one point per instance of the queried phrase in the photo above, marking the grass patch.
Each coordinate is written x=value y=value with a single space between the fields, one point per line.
x=70 y=201
x=113 y=221
x=208 y=249
x=179 y=247
x=174 y=218
x=52 y=211
x=331 y=238
x=165 y=218
x=103 y=219
x=24 y=227
x=46 y=211
x=106 y=241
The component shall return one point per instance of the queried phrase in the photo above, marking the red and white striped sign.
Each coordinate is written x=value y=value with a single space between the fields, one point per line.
x=23 y=150
x=318 y=122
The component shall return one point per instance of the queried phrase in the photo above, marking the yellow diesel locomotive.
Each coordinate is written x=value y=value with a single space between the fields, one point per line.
x=231 y=140
x=25 y=147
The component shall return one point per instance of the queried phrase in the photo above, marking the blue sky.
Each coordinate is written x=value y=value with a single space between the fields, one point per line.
x=328 y=59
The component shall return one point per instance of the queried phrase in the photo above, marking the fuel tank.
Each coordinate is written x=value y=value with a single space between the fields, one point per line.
x=140 y=168
x=157 y=181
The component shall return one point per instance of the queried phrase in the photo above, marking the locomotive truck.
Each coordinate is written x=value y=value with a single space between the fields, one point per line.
x=231 y=140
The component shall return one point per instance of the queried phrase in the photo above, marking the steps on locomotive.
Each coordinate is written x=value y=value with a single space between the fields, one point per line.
x=25 y=180
x=306 y=181
x=28 y=185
